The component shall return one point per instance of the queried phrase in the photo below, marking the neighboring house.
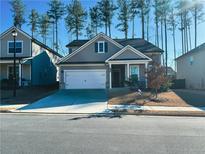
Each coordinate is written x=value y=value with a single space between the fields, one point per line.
x=35 y=62
x=191 y=67
x=170 y=72
x=103 y=62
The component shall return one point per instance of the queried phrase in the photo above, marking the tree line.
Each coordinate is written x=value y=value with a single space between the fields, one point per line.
x=165 y=15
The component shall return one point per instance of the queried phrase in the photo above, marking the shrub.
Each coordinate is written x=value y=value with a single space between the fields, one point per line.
x=133 y=82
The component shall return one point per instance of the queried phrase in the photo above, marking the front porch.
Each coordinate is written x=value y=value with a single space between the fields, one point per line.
x=126 y=63
x=23 y=71
x=122 y=71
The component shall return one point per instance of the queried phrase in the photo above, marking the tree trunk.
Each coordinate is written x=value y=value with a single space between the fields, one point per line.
x=166 y=54
x=189 y=37
x=53 y=35
x=133 y=27
x=96 y=29
x=147 y=27
x=195 y=25
x=106 y=27
x=162 y=38
x=109 y=28
x=142 y=18
x=157 y=30
x=56 y=36
x=174 y=46
x=182 y=35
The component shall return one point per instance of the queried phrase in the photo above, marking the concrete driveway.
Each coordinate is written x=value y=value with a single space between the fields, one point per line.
x=70 y=101
x=195 y=98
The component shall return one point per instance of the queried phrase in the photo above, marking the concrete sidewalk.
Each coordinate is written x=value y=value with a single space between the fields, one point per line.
x=95 y=108
x=11 y=107
x=154 y=108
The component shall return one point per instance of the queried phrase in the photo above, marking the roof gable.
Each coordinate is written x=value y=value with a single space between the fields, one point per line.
x=14 y=28
x=80 y=49
x=129 y=53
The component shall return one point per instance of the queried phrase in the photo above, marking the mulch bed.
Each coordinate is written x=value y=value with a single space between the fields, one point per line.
x=169 y=99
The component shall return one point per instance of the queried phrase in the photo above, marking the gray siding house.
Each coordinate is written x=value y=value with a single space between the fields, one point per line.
x=35 y=62
x=191 y=67
x=103 y=62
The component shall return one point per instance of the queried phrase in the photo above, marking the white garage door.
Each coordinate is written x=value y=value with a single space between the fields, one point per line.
x=85 y=79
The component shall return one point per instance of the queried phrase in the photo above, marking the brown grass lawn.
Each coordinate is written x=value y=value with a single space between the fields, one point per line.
x=128 y=97
x=25 y=95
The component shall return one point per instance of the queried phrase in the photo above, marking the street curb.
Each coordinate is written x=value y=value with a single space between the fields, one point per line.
x=181 y=114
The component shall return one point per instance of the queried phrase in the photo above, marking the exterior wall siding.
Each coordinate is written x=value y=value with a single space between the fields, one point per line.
x=26 y=51
x=128 y=54
x=193 y=72
x=155 y=57
x=89 y=54
x=43 y=70
x=26 y=72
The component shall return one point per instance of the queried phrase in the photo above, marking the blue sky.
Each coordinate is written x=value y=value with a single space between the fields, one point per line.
x=42 y=6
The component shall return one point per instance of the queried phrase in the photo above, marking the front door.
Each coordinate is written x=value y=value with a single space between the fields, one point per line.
x=116 y=78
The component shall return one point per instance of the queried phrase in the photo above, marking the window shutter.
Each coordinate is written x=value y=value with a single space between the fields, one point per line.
x=106 y=47
x=96 y=47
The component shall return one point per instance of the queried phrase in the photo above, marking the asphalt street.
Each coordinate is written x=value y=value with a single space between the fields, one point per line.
x=59 y=134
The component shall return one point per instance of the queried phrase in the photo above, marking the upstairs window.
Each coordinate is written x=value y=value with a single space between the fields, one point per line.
x=101 y=47
x=19 y=45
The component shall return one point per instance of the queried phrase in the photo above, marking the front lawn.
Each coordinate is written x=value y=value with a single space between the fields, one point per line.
x=26 y=95
x=124 y=97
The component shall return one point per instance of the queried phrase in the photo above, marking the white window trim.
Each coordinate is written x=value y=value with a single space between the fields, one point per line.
x=13 y=41
x=138 y=72
x=99 y=46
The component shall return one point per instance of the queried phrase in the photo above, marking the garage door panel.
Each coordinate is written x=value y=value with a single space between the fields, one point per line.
x=85 y=79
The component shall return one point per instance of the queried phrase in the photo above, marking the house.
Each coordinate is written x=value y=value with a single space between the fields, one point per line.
x=35 y=62
x=170 y=72
x=191 y=67
x=103 y=62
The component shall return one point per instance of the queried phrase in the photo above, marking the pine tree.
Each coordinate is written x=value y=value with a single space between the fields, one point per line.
x=123 y=16
x=156 y=19
x=44 y=24
x=55 y=13
x=33 y=21
x=95 y=18
x=18 y=9
x=198 y=13
x=133 y=12
x=141 y=7
x=107 y=9
x=75 y=17
x=147 y=14
x=172 y=24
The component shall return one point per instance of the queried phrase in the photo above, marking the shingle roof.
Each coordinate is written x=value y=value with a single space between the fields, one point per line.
x=202 y=46
x=138 y=43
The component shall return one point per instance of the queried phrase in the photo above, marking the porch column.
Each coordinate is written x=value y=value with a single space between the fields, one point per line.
x=19 y=74
x=146 y=64
x=110 y=75
x=128 y=71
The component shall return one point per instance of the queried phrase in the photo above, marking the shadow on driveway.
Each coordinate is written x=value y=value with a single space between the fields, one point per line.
x=192 y=97
x=69 y=98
